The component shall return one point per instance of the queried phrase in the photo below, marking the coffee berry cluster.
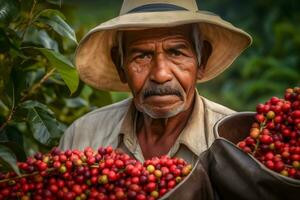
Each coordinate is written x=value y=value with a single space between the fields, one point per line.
x=95 y=175
x=274 y=138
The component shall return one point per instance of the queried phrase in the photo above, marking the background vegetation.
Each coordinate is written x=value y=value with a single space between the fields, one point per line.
x=40 y=93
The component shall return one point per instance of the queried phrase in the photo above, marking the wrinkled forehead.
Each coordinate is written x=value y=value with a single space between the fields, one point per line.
x=140 y=36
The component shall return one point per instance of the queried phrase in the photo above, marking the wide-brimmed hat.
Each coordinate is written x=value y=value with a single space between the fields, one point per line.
x=93 y=56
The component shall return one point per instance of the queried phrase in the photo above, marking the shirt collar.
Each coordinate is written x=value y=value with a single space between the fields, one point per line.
x=127 y=130
x=192 y=136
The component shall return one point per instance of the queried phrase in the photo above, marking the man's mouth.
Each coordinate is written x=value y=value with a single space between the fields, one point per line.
x=162 y=100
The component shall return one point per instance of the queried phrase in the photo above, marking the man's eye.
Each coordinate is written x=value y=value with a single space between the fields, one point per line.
x=143 y=56
x=175 y=52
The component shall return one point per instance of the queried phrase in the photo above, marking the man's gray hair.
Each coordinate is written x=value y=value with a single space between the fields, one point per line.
x=198 y=42
x=120 y=46
x=197 y=39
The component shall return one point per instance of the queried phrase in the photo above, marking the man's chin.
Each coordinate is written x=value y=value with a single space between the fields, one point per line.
x=162 y=112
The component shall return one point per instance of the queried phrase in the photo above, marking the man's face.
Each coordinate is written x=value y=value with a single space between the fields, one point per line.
x=161 y=69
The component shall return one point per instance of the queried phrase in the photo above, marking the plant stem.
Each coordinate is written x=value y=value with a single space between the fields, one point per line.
x=23 y=176
x=255 y=148
x=25 y=97
x=30 y=18
x=262 y=126
x=35 y=173
x=12 y=111
x=17 y=177
x=37 y=85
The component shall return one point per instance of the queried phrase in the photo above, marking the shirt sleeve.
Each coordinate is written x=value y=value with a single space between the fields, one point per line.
x=67 y=138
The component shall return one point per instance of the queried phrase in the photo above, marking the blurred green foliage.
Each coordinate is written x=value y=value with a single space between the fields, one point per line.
x=40 y=94
x=270 y=65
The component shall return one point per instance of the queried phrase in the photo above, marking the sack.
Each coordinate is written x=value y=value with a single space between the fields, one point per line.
x=235 y=174
x=226 y=172
x=195 y=186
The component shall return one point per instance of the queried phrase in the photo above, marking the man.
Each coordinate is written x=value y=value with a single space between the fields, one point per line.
x=159 y=50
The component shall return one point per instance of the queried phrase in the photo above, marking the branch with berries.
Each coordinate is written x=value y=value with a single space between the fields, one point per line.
x=274 y=138
x=89 y=174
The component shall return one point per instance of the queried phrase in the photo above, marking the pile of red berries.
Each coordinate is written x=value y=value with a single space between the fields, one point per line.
x=88 y=174
x=274 y=138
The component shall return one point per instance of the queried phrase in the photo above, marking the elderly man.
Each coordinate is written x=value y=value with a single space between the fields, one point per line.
x=159 y=50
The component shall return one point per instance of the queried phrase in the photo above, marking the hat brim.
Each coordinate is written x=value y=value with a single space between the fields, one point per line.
x=93 y=55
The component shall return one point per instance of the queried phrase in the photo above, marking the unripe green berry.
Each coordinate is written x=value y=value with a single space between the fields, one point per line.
x=150 y=168
x=103 y=179
x=62 y=169
x=155 y=194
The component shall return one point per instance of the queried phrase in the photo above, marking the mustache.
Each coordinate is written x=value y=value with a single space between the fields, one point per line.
x=160 y=90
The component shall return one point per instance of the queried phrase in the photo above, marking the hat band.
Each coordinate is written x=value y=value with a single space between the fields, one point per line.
x=156 y=7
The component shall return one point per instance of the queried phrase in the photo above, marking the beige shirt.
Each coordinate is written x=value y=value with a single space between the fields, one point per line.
x=115 y=125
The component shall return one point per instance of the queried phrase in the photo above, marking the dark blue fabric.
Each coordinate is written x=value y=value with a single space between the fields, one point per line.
x=156 y=7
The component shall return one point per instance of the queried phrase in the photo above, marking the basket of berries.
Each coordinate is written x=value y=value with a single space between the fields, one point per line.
x=257 y=154
x=101 y=174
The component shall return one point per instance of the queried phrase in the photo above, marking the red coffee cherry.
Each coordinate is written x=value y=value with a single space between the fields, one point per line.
x=88 y=174
x=274 y=137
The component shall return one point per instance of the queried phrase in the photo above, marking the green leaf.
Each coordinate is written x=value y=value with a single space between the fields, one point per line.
x=8 y=159
x=25 y=79
x=42 y=123
x=76 y=102
x=16 y=148
x=35 y=104
x=100 y=98
x=56 y=2
x=7 y=91
x=119 y=96
x=56 y=21
x=9 y=9
x=6 y=85
x=40 y=37
x=4 y=41
x=4 y=110
x=64 y=67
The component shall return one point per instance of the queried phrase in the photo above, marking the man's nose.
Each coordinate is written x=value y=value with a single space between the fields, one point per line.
x=160 y=70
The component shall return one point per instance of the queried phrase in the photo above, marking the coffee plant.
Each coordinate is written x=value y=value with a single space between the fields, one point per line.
x=36 y=72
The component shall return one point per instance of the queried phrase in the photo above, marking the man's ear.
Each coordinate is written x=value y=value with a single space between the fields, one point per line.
x=117 y=61
x=205 y=53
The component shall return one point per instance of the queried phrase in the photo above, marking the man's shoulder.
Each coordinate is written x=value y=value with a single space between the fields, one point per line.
x=97 y=128
x=117 y=109
x=215 y=107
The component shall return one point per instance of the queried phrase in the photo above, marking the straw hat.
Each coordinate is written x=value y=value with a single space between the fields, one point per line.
x=93 y=56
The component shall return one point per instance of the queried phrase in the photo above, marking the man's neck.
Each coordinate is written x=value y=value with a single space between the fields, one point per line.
x=157 y=136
